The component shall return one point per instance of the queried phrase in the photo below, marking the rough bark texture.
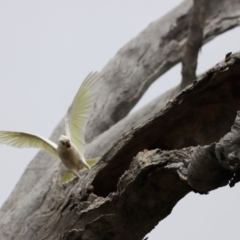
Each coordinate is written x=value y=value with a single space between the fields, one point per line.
x=159 y=177
x=194 y=41
x=36 y=197
x=102 y=199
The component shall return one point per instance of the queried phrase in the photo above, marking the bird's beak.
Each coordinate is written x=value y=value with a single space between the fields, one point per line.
x=68 y=144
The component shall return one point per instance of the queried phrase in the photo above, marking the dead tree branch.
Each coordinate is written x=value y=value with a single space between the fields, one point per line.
x=162 y=177
x=149 y=55
x=159 y=177
x=194 y=41
x=36 y=196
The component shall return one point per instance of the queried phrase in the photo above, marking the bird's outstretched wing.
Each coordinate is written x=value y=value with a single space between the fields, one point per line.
x=80 y=109
x=28 y=140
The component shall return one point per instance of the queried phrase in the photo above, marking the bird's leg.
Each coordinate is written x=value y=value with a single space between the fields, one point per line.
x=85 y=164
x=75 y=173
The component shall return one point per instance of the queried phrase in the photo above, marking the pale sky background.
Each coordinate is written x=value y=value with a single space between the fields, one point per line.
x=47 y=47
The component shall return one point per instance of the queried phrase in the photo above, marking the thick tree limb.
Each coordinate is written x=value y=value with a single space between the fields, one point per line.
x=110 y=218
x=145 y=194
x=194 y=41
x=149 y=55
x=159 y=177
x=117 y=182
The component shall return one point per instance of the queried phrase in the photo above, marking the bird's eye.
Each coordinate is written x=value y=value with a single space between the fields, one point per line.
x=63 y=143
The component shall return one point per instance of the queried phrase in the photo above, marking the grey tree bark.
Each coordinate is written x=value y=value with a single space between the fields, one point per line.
x=194 y=41
x=39 y=209
x=124 y=197
x=149 y=55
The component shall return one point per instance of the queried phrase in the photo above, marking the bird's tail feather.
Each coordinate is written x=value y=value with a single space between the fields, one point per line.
x=92 y=161
x=68 y=176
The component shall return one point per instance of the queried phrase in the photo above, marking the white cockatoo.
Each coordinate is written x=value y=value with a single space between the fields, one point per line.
x=70 y=147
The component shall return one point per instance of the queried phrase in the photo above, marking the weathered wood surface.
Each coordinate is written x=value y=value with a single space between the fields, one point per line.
x=36 y=197
x=103 y=199
x=160 y=177
x=194 y=41
x=149 y=55
x=216 y=23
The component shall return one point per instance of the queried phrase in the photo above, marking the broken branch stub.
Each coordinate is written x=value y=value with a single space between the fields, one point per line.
x=194 y=41
x=228 y=149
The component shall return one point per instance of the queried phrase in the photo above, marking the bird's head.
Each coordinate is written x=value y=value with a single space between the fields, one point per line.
x=64 y=141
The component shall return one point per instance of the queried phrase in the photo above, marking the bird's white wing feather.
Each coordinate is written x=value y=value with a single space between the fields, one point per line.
x=28 y=140
x=80 y=109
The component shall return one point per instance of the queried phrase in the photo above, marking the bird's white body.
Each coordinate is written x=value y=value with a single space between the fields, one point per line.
x=70 y=147
x=70 y=155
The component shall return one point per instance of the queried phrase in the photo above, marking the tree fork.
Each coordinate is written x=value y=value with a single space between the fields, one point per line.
x=36 y=197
